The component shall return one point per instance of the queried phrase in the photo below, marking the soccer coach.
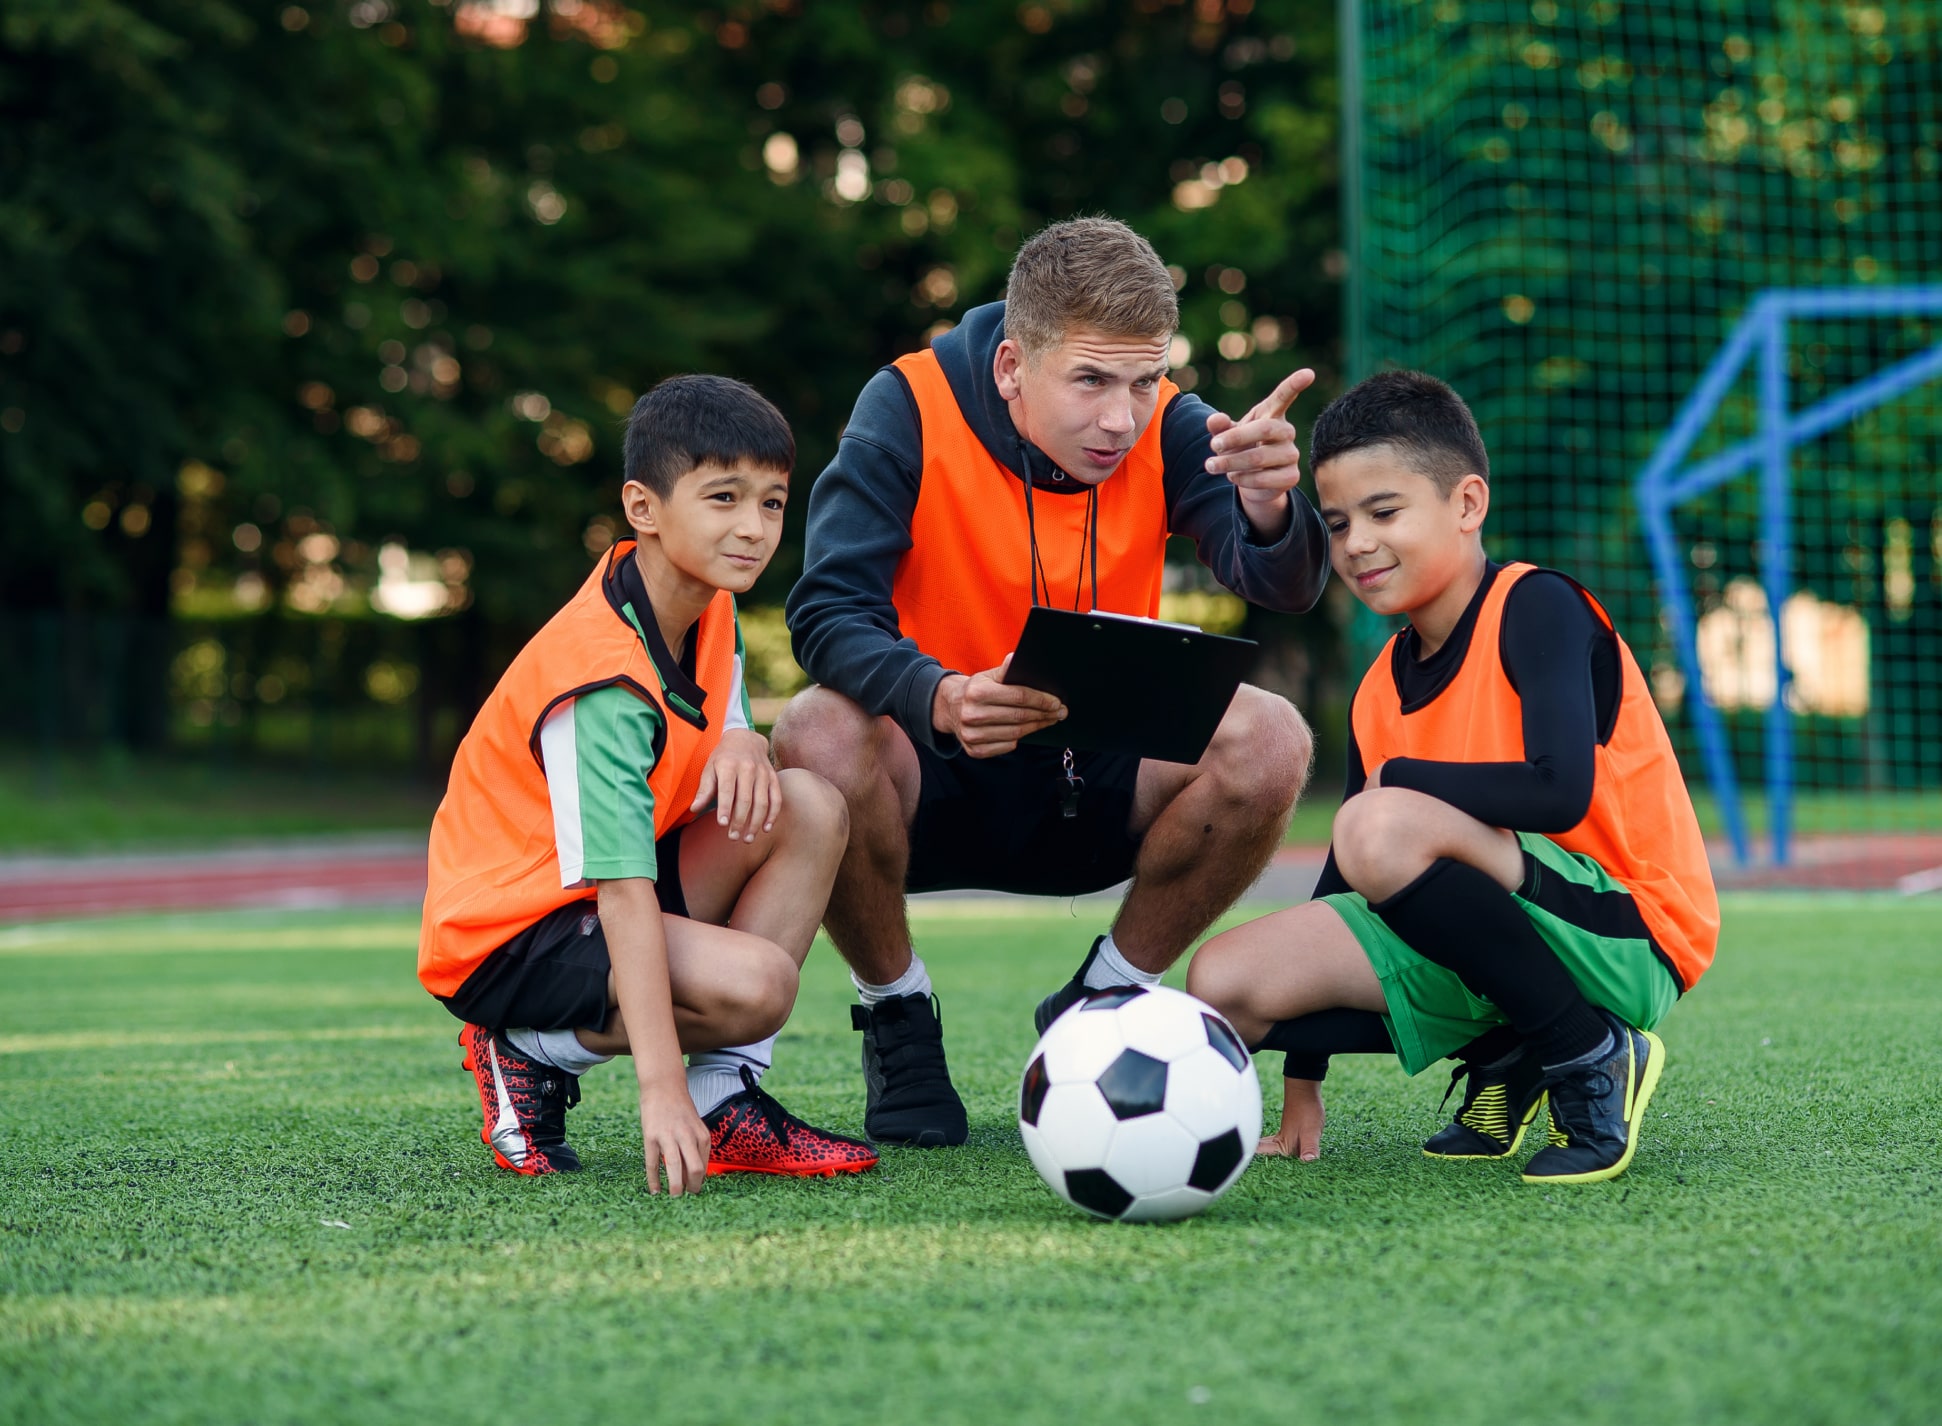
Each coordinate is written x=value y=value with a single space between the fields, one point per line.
x=1036 y=453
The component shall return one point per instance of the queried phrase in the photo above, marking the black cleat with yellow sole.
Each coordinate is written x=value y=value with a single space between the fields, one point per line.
x=1597 y=1110
x=1499 y=1103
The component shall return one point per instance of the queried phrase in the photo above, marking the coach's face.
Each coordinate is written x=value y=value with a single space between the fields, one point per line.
x=1085 y=401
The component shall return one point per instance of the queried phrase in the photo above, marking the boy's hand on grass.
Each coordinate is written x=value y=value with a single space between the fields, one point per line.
x=742 y=783
x=1300 y=1134
x=673 y=1137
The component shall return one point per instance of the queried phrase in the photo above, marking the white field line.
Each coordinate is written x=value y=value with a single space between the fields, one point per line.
x=125 y=1039
x=1918 y=882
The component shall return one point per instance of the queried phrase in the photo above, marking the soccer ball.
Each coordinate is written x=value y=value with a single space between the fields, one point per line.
x=1140 y=1104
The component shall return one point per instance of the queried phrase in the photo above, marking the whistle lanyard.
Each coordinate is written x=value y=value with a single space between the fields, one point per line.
x=1075 y=785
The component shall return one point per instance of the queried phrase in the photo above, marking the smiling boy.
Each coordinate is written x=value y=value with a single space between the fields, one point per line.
x=577 y=909
x=1037 y=453
x=1516 y=876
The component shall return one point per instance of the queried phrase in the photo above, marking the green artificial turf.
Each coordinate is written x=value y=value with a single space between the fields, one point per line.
x=242 y=1182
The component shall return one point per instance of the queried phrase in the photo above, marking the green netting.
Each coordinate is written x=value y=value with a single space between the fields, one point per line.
x=1565 y=210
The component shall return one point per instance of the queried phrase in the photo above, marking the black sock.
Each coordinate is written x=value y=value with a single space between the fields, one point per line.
x=1308 y=1040
x=1493 y=1049
x=1456 y=916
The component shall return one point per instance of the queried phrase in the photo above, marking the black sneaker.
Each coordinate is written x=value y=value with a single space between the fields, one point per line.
x=524 y=1103
x=1498 y=1105
x=1596 y=1110
x=909 y=1098
x=1067 y=995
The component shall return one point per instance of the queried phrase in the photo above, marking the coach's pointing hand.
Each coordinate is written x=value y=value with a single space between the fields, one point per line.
x=1258 y=454
x=987 y=715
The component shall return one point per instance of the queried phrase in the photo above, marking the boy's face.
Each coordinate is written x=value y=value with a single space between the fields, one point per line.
x=1393 y=537
x=1086 y=401
x=719 y=525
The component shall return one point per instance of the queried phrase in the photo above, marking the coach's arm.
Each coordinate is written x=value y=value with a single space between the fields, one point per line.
x=842 y=623
x=1285 y=573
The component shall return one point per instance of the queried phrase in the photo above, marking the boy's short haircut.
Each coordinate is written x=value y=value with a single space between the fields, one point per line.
x=1087 y=272
x=1415 y=415
x=688 y=421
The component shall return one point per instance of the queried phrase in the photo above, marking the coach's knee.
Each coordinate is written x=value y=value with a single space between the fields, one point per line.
x=825 y=733
x=1261 y=752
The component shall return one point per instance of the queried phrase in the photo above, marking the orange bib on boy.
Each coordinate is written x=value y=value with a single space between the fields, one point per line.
x=1640 y=827
x=495 y=867
x=963 y=588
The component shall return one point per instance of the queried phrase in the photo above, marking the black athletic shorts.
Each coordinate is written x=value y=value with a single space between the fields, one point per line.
x=553 y=974
x=995 y=824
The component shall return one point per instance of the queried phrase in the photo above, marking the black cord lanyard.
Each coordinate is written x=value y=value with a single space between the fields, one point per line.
x=1088 y=542
x=1088 y=546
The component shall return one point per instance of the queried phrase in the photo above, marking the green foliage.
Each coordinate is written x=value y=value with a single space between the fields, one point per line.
x=391 y=270
x=244 y=1183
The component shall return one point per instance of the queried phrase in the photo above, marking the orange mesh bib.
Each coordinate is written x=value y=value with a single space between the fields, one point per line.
x=964 y=587
x=1640 y=826
x=494 y=866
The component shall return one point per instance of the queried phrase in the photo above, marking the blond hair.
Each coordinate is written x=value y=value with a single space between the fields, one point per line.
x=1087 y=272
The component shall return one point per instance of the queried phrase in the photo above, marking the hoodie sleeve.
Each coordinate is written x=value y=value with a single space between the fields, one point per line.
x=1286 y=576
x=842 y=624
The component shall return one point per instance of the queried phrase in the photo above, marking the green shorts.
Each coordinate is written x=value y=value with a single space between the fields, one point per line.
x=1582 y=913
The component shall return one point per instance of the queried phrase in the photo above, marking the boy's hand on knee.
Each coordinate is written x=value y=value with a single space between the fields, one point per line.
x=673 y=1138
x=742 y=783
x=1300 y=1134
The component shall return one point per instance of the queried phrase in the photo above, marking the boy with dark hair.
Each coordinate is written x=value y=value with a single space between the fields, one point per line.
x=576 y=909
x=1516 y=877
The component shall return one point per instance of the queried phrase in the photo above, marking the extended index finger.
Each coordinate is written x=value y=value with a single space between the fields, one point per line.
x=1276 y=405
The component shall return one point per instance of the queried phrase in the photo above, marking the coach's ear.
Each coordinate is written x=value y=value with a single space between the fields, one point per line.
x=1472 y=497
x=1004 y=369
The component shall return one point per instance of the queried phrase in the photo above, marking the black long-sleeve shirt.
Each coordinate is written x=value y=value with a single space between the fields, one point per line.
x=1563 y=662
x=841 y=619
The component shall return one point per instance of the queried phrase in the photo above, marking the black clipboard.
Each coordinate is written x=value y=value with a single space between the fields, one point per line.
x=1129 y=685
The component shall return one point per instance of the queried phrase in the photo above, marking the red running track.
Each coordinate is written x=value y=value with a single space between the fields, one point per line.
x=365 y=872
x=390 y=871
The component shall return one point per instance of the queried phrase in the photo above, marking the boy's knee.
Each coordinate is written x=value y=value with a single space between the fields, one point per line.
x=760 y=999
x=823 y=732
x=1212 y=978
x=815 y=809
x=1375 y=838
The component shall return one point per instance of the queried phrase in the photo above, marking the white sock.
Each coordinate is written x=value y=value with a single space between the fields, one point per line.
x=716 y=1075
x=559 y=1048
x=1110 y=968
x=914 y=981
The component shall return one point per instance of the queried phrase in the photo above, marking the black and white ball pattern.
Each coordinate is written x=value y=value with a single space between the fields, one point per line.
x=1140 y=1104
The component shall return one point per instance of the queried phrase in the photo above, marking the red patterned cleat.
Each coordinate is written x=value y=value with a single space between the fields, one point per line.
x=525 y=1104
x=751 y=1133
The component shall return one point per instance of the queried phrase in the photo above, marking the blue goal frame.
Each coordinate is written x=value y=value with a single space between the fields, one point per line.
x=1667 y=483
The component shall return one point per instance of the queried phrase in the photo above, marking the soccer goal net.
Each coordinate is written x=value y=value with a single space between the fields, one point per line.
x=1572 y=212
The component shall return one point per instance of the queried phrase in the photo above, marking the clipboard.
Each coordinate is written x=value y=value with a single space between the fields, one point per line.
x=1129 y=685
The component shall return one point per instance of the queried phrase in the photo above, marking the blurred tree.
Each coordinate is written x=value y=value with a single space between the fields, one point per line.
x=281 y=285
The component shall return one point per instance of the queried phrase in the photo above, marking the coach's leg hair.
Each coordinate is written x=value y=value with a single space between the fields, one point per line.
x=1209 y=829
x=871 y=763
